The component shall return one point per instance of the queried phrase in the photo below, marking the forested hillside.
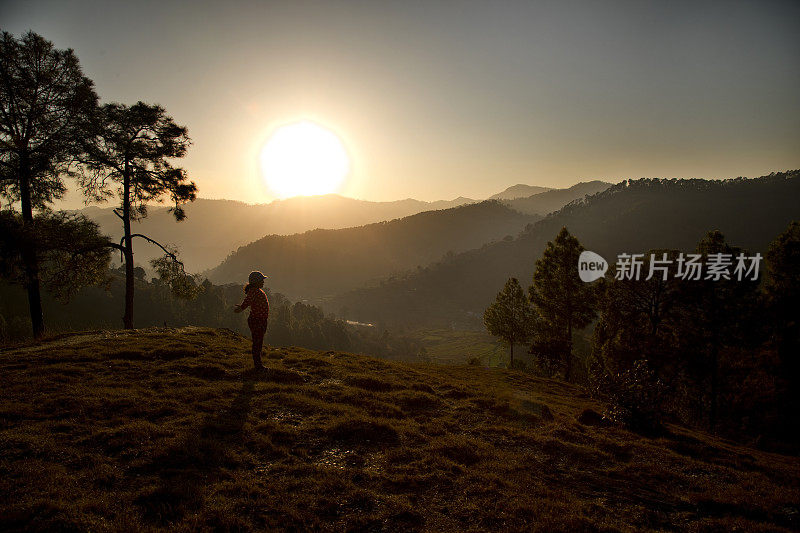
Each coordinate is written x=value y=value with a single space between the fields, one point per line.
x=326 y=262
x=633 y=216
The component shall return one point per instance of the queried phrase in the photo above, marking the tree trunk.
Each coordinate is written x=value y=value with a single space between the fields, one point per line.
x=715 y=342
x=714 y=386
x=568 y=372
x=512 y=356
x=127 y=319
x=29 y=257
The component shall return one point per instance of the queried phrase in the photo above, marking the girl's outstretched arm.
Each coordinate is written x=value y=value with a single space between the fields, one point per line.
x=244 y=305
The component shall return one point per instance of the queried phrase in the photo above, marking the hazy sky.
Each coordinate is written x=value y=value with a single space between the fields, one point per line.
x=439 y=99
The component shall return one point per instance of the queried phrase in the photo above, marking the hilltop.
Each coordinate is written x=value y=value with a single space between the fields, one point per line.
x=519 y=190
x=149 y=429
x=552 y=200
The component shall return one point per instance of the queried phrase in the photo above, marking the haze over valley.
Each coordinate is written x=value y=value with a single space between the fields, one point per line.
x=214 y=229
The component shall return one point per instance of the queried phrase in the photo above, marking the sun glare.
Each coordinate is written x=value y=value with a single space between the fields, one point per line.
x=303 y=159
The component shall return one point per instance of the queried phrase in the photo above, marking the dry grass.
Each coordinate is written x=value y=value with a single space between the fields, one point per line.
x=167 y=428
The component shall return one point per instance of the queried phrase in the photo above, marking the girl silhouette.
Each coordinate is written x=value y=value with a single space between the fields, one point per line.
x=256 y=299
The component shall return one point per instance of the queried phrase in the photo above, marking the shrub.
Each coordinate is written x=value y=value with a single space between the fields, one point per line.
x=634 y=397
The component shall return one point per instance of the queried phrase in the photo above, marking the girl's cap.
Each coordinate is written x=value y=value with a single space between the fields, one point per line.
x=256 y=276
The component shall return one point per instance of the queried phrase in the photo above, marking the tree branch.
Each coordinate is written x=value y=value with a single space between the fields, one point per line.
x=112 y=245
x=167 y=252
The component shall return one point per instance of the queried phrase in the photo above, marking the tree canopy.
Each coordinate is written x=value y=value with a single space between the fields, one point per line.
x=130 y=152
x=510 y=317
x=46 y=108
x=562 y=301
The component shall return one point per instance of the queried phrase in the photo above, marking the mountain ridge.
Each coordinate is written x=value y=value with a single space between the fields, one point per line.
x=633 y=216
x=546 y=202
x=323 y=262
x=520 y=190
x=215 y=227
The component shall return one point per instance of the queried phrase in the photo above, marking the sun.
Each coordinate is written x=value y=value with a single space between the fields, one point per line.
x=303 y=159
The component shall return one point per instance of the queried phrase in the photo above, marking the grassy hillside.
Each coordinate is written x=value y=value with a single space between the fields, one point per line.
x=446 y=346
x=215 y=227
x=161 y=428
x=633 y=217
x=326 y=262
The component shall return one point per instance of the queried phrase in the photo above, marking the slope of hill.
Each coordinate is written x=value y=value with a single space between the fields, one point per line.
x=215 y=227
x=519 y=191
x=546 y=202
x=163 y=428
x=633 y=217
x=325 y=262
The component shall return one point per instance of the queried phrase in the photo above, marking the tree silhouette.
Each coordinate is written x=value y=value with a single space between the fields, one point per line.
x=46 y=104
x=131 y=148
x=717 y=313
x=510 y=317
x=782 y=291
x=639 y=318
x=72 y=253
x=562 y=301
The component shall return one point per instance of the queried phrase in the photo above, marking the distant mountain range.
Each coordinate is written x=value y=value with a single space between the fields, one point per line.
x=519 y=191
x=551 y=200
x=214 y=228
x=633 y=216
x=321 y=263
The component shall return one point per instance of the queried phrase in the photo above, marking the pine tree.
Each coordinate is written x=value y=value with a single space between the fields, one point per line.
x=131 y=148
x=510 y=317
x=639 y=318
x=716 y=314
x=562 y=301
x=46 y=104
x=782 y=291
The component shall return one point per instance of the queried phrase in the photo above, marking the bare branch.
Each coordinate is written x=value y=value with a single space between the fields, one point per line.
x=167 y=252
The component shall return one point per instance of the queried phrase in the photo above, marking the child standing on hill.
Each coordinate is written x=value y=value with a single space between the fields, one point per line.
x=256 y=299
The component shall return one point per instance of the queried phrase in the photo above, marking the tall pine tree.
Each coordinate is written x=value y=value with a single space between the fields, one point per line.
x=46 y=105
x=562 y=301
x=132 y=148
